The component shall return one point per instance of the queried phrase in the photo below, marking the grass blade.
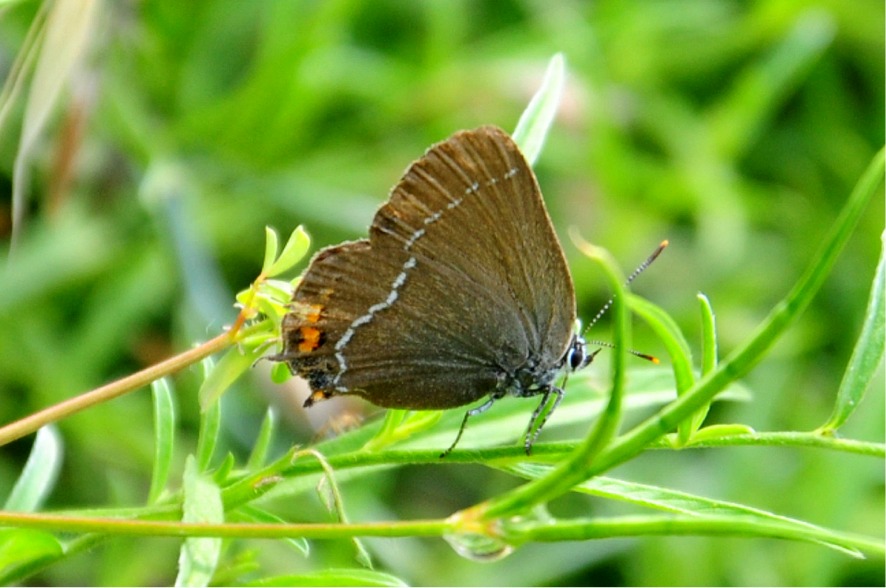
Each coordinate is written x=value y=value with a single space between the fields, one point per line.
x=39 y=474
x=866 y=356
x=164 y=437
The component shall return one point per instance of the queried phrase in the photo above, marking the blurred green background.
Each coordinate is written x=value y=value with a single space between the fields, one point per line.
x=734 y=129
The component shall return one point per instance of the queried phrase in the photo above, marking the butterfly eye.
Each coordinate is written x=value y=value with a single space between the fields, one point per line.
x=578 y=354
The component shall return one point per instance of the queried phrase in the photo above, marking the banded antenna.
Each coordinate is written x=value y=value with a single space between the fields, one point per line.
x=646 y=263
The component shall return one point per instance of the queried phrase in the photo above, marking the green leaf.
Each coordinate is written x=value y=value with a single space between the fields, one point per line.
x=392 y=419
x=330 y=494
x=271 y=244
x=258 y=515
x=866 y=356
x=220 y=476
x=260 y=336
x=399 y=425
x=672 y=337
x=334 y=577
x=536 y=120
x=202 y=503
x=233 y=364
x=39 y=474
x=571 y=471
x=23 y=550
x=746 y=356
x=723 y=513
x=649 y=388
x=164 y=437
x=295 y=249
x=713 y=432
x=69 y=29
x=259 y=454
x=709 y=359
x=761 y=90
x=280 y=373
x=210 y=423
x=678 y=350
x=709 y=356
x=274 y=297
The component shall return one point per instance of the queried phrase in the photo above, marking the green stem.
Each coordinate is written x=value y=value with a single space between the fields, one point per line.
x=588 y=460
x=744 y=358
x=796 y=439
x=73 y=524
x=569 y=472
x=669 y=525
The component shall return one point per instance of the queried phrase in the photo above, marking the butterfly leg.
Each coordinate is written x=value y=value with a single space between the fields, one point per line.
x=530 y=436
x=473 y=412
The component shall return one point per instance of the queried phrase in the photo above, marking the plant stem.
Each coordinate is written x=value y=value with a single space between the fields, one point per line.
x=669 y=525
x=30 y=424
x=590 y=460
x=570 y=471
x=746 y=357
x=74 y=524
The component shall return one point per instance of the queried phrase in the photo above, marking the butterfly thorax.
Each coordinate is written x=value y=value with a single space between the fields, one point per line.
x=537 y=377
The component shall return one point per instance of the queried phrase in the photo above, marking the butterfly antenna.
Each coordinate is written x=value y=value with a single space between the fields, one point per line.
x=646 y=263
x=609 y=345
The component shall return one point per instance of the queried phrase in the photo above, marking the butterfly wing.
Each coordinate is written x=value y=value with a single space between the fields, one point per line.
x=461 y=283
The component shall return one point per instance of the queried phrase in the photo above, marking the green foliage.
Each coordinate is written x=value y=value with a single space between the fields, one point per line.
x=141 y=165
x=40 y=473
x=164 y=437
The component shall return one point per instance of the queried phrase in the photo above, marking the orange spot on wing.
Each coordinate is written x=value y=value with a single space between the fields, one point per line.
x=312 y=314
x=310 y=339
x=316 y=396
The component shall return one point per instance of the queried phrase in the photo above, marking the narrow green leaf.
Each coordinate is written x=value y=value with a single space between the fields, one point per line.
x=571 y=471
x=674 y=501
x=609 y=422
x=262 y=445
x=69 y=29
x=202 y=503
x=280 y=373
x=745 y=357
x=714 y=525
x=272 y=243
x=279 y=291
x=333 y=500
x=21 y=68
x=708 y=335
x=260 y=335
x=224 y=470
x=393 y=418
x=757 y=94
x=678 y=350
x=672 y=337
x=210 y=423
x=39 y=474
x=713 y=432
x=295 y=249
x=233 y=364
x=402 y=425
x=258 y=515
x=536 y=120
x=709 y=359
x=650 y=387
x=23 y=550
x=164 y=437
x=207 y=439
x=866 y=356
x=334 y=577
